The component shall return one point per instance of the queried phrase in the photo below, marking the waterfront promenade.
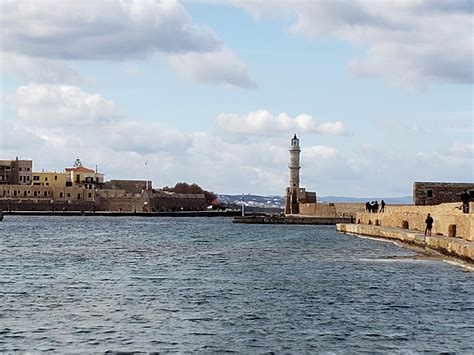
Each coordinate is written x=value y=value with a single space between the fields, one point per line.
x=453 y=247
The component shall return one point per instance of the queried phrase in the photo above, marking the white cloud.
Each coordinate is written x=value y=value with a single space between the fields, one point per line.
x=221 y=68
x=263 y=122
x=41 y=70
x=101 y=29
x=57 y=105
x=411 y=42
x=36 y=39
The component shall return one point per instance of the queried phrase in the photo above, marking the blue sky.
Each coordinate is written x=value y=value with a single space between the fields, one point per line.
x=212 y=91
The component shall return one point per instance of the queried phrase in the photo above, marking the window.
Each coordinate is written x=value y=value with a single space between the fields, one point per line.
x=34 y=194
x=14 y=193
x=78 y=178
x=78 y=196
x=429 y=193
x=60 y=195
x=47 y=184
x=27 y=169
x=45 y=194
x=36 y=178
x=28 y=178
x=68 y=194
x=46 y=178
x=55 y=177
x=90 y=195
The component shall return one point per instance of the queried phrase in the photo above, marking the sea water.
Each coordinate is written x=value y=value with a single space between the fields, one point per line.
x=98 y=284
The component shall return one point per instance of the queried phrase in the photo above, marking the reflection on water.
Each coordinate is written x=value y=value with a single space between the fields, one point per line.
x=96 y=284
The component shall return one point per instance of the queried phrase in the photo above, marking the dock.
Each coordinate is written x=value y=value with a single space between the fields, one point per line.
x=256 y=219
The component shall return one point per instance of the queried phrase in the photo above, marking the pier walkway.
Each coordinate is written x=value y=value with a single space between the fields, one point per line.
x=453 y=247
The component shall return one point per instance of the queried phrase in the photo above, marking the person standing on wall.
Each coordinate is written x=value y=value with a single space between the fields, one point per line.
x=382 y=206
x=429 y=224
x=465 y=197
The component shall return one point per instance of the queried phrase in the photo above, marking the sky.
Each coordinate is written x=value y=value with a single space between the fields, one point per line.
x=211 y=92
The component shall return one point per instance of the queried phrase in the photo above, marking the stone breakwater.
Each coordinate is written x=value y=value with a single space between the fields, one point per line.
x=453 y=247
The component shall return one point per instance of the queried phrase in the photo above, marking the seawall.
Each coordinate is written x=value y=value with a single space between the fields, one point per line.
x=291 y=219
x=453 y=247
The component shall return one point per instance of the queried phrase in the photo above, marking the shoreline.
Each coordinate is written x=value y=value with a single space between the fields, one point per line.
x=449 y=249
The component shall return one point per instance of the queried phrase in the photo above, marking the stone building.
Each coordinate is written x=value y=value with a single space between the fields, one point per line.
x=295 y=195
x=16 y=172
x=435 y=193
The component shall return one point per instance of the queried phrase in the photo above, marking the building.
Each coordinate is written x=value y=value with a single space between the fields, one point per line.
x=53 y=179
x=294 y=193
x=435 y=193
x=82 y=176
x=16 y=172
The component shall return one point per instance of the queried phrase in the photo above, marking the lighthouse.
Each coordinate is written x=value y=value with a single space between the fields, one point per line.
x=292 y=191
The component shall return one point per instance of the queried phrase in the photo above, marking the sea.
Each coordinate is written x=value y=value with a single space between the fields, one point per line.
x=136 y=284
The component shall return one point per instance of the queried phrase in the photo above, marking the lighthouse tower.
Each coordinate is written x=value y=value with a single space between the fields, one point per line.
x=291 y=198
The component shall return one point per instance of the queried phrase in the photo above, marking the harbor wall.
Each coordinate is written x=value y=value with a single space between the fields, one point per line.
x=445 y=216
x=454 y=247
x=331 y=209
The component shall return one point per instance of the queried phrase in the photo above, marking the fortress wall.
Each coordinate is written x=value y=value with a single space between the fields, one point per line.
x=349 y=209
x=444 y=215
x=45 y=205
x=130 y=186
x=178 y=202
x=125 y=204
x=317 y=209
x=434 y=193
x=331 y=210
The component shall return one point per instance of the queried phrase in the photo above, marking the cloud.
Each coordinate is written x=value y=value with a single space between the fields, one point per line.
x=412 y=42
x=36 y=40
x=263 y=122
x=221 y=68
x=57 y=105
x=101 y=29
x=40 y=70
x=56 y=123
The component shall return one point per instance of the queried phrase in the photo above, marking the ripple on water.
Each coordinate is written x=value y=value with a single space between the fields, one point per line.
x=77 y=284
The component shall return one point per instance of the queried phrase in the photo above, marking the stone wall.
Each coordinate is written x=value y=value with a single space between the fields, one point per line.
x=163 y=201
x=130 y=186
x=444 y=215
x=317 y=209
x=434 y=193
x=331 y=209
x=45 y=205
x=123 y=204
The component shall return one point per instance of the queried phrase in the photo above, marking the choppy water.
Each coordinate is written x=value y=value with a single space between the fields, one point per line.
x=96 y=284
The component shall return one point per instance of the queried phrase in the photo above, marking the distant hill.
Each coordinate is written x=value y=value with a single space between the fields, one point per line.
x=279 y=202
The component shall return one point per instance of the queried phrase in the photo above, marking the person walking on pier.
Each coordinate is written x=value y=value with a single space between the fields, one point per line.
x=429 y=224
